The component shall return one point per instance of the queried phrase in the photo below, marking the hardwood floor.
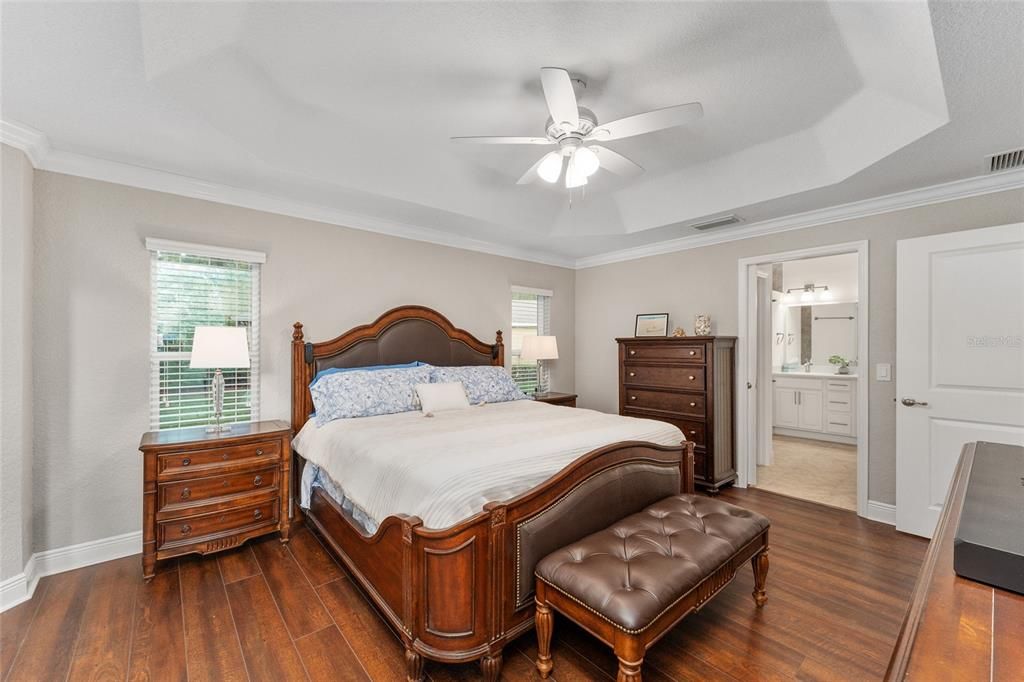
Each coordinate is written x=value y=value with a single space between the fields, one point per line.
x=837 y=590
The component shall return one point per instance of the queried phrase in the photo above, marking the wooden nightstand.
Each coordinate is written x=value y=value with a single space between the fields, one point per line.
x=205 y=492
x=552 y=398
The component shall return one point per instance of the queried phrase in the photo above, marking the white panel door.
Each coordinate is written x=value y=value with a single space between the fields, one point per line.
x=810 y=404
x=959 y=359
x=786 y=411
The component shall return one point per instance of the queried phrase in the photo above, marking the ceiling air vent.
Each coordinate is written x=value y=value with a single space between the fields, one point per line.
x=1006 y=160
x=720 y=221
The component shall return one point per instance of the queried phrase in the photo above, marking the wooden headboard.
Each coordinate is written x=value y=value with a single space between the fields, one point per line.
x=398 y=336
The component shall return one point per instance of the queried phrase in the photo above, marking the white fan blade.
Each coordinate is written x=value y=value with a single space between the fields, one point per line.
x=648 y=122
x=560 y=96
x=503 y=140
x=616 y=162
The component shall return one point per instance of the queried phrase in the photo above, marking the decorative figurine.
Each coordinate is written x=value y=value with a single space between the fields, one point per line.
x=702 y=325
x=678 y=331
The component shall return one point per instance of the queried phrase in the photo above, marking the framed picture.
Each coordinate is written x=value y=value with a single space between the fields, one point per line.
x=651 y=324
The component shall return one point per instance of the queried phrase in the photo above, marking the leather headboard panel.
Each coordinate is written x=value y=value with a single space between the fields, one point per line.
x=406 y=341
x=593 y=505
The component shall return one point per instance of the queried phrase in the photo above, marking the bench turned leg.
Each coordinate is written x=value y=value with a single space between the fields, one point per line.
x=413 y=666
x=629 y=671
x=630 y=651
x=760 y=564
x=490 y=665
x=544 y=622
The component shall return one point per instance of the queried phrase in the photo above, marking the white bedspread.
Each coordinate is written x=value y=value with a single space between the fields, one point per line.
x=446 y=467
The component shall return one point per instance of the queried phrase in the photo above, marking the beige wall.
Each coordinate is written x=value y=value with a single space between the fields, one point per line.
x=704 y=280
x=92 y=323
x=15 y=361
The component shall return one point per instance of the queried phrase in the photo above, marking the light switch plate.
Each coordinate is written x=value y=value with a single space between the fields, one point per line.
x=883 y=371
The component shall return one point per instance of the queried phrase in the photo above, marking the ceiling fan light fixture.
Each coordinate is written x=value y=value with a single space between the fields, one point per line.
x=574 y=177
x=586 y=161
x=550 y=169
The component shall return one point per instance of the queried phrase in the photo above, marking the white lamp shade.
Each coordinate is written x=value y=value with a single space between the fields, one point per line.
x=219 y=348
x=539 y=348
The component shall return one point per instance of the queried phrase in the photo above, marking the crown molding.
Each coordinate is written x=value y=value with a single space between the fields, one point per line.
x=934 y=194
x=36 y=147
x=43 y=157
x=29 y=140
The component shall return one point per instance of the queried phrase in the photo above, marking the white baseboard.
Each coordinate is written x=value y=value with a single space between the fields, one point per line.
x=814 y=435
x=21 y=587
x=882 y=512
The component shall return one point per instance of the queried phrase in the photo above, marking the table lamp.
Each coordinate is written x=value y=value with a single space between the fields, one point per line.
x=539 y=348
x=219 y=348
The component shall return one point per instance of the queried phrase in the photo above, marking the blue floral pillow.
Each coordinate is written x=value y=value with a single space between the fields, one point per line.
x=485 y=384
x=367 y=393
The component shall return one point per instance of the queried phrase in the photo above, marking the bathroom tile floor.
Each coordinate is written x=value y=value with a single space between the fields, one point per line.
x=812 y=470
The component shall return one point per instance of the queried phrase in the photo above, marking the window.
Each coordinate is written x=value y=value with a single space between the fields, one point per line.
x=193 y=286
x=531 y=316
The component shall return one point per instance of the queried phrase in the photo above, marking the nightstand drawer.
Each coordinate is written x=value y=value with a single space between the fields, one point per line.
x=196 y=528
x=201 y=461
x=190 y=491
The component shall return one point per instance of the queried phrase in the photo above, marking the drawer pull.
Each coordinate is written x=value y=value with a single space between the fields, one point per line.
x=693 y=404
x=632 y=352
x=224 y=456
x=692 y=377
x=693 y=433
x=693 y=352
x=632 y=397
x=224 y=483
x=259 y=451
x=185 y=462
x=838 y=424
x=632 y=374
x=186 y=493
x=258 y=481
x=257 y=514
x=186 y=529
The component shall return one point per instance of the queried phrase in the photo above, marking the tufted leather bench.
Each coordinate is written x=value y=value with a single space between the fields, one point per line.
x=631 y=582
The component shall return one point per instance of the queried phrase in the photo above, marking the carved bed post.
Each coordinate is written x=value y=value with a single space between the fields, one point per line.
x=298 y=370
x=686 y=481
x=499 y=349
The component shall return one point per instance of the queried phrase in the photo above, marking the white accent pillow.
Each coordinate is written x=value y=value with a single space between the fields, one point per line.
x=441 y=397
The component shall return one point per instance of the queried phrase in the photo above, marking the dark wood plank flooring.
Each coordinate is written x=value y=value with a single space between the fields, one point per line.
x=837 y=590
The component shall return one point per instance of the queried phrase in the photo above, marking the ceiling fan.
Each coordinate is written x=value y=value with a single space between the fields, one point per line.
x=575 y=130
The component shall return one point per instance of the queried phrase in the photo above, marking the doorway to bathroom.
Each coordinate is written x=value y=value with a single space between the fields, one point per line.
x=803 y=337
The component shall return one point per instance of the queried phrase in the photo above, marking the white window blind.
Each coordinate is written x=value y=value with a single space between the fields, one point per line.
x=192 y=287
x=531 y=316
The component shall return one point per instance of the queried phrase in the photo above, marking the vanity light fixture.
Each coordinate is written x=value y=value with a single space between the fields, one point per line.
x=808 y=294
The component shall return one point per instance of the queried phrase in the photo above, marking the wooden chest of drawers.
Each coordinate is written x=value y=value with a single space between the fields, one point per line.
x=686 y=381
x=204 y=492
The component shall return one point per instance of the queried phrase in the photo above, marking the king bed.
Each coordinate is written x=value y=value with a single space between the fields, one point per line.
x=442 y=520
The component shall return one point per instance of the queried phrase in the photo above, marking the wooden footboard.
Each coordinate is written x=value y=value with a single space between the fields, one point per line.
x=461 y=593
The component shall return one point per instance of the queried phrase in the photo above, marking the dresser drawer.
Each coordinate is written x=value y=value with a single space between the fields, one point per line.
x=184 y=462
x=196 y=528
x=687 y=404
x=190 y=491
x=668 y=377
x=640 y=351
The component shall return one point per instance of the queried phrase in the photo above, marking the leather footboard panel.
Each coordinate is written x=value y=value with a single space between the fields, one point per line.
x=593 y=505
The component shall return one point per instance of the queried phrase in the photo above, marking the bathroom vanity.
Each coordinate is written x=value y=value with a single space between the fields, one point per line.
x=815 y=405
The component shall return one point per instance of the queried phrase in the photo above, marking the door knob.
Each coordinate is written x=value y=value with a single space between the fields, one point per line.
x=910 y=402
